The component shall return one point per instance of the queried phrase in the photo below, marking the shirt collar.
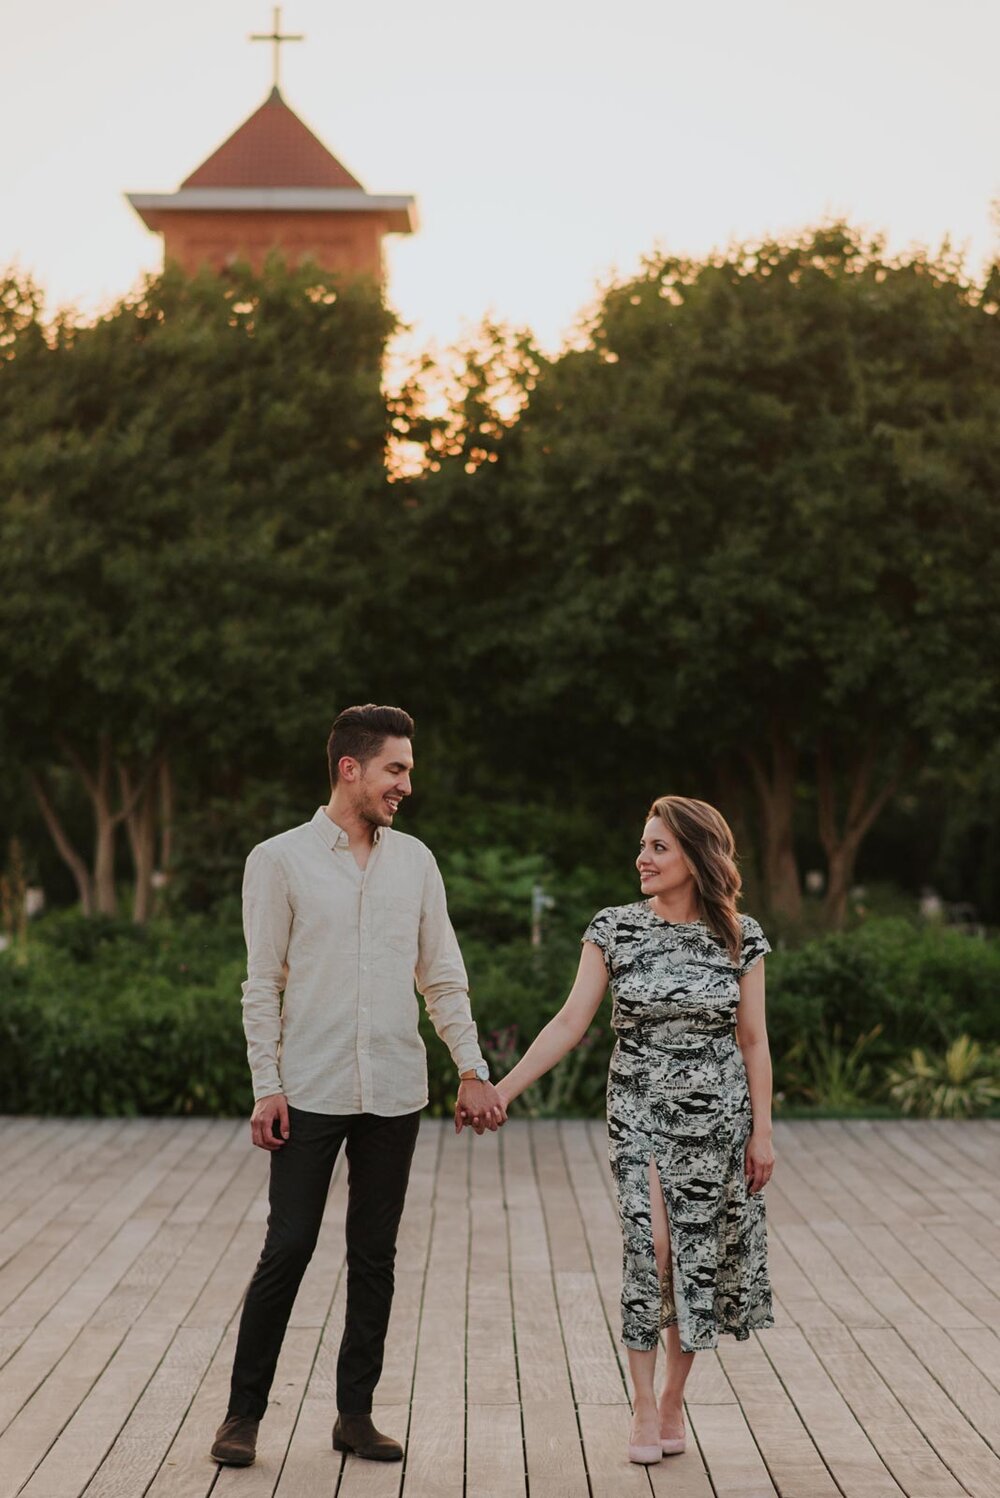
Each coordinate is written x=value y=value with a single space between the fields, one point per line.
x=332 y=833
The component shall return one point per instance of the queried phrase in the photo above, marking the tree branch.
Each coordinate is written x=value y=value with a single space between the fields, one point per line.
x=66 y=850
x=75 y=759
x=133 y=794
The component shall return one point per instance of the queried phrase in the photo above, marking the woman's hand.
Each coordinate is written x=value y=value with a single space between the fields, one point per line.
x=759 y=1161
x=479 y=1104
x=463 y=1116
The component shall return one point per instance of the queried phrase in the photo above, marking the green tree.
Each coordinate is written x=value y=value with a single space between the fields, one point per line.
x=735 y=536
x=188 y=509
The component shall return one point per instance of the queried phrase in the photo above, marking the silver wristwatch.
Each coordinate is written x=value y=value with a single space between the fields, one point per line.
x=482 y=1073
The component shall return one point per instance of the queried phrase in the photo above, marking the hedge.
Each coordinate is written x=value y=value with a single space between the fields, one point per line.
x=99 y=1017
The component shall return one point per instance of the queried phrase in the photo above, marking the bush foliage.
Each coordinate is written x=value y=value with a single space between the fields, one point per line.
x=102 y=1017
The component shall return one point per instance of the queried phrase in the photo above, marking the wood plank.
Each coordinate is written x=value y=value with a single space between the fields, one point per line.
x=604 y=1429
x=126 y=1246
x=783 y=1439
x=979 y=1138
x=893 y=1433
x=851 y=1459
x=494 y=1462
x=68 y=1301
x=142 y=1443
x=958 y=1196
x=435 y=1452
x=551 y=1433
x=391 y=1411
x=491 y=1369
x=48 y=1187
x=982 y=1347
x=729 y=1452
x=116 y=1353
x=291 y=1379
x=961 y=1448
x=845 y=1300
x=595 y=1373
x=947 y=1292
x=312 y=1468
x=31 y=1159
x=60 y=1285
x=186 y=1470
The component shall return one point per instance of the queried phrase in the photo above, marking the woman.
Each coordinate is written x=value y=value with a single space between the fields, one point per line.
x=689 y=1103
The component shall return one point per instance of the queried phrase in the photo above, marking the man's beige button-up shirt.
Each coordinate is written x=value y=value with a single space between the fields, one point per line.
x=344 y=1038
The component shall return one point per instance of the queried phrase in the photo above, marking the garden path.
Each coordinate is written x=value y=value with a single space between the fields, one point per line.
x=125 y=1247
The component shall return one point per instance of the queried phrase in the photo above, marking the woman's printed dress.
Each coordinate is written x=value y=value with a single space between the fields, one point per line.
x=677 y=1093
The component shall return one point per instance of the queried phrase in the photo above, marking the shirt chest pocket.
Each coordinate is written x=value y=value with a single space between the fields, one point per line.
x=397 y=927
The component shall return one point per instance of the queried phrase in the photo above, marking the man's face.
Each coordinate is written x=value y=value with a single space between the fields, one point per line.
x=384 y=781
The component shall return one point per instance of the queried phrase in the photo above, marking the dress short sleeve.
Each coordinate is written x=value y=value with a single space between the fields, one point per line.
x=601 y=932
x=755 y=945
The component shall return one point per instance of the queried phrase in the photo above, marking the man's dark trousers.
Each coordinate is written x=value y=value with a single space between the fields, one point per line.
x=379 y=1151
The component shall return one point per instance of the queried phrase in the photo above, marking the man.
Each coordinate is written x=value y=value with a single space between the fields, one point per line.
x=342 y=913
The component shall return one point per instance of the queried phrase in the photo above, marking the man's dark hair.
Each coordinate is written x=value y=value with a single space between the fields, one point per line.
x=360 y=733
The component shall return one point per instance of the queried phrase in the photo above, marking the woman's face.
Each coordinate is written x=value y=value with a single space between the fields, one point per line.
x=663 y=869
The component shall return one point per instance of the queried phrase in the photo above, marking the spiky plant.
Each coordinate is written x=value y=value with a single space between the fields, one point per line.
x=965 y=1081
x=823 y=1070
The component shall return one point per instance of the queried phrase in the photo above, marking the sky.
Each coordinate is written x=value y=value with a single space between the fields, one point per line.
x=549 y=143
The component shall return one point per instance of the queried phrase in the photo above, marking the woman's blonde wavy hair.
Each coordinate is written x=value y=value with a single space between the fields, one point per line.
x=706 y=841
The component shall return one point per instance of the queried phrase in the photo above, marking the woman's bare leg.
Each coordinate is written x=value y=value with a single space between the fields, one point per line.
x=671 y=1404
x=645 y=1419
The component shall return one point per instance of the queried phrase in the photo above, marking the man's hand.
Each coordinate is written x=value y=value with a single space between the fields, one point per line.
x=480 y=1105
x=268 y=1111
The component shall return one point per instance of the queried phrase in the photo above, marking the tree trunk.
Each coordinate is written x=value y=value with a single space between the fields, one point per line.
x=842 y=843
x=732 y=803
x=105 y=823
x=140 y=823
x=100 y=880
x=776 y=798
x=66 y=850
x=840 y=877
x=166 y=815
x=166 y=798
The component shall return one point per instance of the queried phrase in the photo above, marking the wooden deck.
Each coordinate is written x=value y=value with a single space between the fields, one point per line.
x=125 y=1248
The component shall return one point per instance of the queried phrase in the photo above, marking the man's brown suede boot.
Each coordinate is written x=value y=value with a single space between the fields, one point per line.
x=357 y=1433
x=236 y=1441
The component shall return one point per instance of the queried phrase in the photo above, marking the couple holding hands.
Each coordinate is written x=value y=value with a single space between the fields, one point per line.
x=341 y=916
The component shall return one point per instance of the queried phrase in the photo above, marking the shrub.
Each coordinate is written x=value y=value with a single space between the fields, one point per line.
x=106 y=1018
x=922 y=985
x=962 y=1083
x=821 y=1069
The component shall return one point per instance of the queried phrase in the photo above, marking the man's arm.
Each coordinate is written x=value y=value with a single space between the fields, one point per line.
x=442 y=980
x=267 y=924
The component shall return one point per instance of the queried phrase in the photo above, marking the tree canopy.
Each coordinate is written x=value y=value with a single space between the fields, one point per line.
x=741 y=540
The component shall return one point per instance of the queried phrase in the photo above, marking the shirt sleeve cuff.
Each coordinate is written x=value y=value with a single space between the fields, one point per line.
x=468 y=1058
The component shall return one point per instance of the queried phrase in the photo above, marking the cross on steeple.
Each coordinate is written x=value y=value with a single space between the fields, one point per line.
x=275 y=38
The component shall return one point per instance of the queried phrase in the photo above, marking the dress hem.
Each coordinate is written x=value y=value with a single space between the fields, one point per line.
x=741 y=1333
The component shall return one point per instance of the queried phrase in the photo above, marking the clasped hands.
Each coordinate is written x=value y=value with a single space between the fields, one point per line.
x=481 y=1106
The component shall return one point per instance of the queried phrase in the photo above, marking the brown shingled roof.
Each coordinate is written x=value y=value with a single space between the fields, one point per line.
x=273 y=148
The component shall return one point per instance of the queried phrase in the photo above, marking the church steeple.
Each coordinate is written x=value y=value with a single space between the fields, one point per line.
x=273 y=148
x=274 y=185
